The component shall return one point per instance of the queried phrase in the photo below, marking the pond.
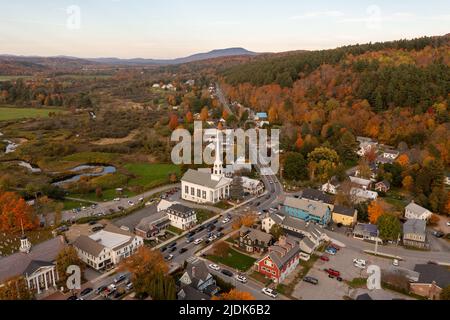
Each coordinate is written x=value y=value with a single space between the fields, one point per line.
x=87 y=171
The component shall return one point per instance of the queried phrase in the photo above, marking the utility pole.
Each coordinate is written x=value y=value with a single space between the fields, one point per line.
x=376 y=243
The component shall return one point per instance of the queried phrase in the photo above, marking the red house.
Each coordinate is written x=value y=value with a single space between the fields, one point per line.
x=281 y=260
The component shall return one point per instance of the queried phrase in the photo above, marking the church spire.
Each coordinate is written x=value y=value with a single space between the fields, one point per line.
x=218 y=164
x=25 y=244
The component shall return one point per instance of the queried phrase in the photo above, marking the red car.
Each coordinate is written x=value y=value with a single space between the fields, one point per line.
x=324 y=258
x=334 y=273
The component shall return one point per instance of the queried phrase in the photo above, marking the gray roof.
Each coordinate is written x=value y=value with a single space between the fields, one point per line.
x=35 y=265
x=316 y=208
x=181 y=210
x=366 y=228
x=16 y=264
x=416 y=209
x=254 y=234
x=317 y=195
x=276 y=252
x=386 y=183
x=189 y=293
x=200 y=178
x=276 y=217
x=201 y=272
x=432 y=272
x=346 y=211
x=415 y=226
x=88 y=245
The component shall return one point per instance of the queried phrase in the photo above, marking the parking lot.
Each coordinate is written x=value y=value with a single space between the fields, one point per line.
x=332 y=289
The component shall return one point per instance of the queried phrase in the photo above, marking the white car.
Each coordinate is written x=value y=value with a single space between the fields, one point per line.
x=359 y=262
x=395 y=263
x=241 y=279
x=212 y=238
x=448 y=224
x=131 y=203
x=149 y=203
x=226 y=220
x=117 y=199
x=270 y=292
x=198 y=241
x=214 y=267
x=141 y=200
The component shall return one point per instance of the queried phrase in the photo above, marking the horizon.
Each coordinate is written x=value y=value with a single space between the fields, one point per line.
x=136 y=29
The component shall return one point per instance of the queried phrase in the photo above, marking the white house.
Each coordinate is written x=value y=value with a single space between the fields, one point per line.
x=182 y=217
x=361 y=183
x=366 y=145
x=414 y=211
x=447 y=179
x=361 y=195
x=252 y=186
x=204 y=187
x=331 y=186
x=107 y=248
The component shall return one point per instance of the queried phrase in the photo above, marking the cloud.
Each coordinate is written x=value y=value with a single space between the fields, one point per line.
x=318 y=14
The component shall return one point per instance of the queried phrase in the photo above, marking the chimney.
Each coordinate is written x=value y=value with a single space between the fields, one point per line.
x=282 y=241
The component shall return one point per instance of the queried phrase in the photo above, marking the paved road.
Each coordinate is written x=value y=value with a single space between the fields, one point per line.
x=223 y=100
x=114 y=205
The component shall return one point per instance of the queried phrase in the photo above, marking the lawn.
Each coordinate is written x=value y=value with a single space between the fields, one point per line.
x=204 y=215
x=175 y=230
x=151 y=175
x=69 y=204
x=235 y=260
x=10 y=244
x=107 y=195
x=7 y=113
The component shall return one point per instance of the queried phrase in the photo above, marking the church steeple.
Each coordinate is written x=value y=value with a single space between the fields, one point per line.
x=25 y=244
x=218 y=164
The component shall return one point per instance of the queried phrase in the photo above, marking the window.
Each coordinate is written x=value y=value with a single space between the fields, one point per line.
x=192 y=191
x=186 y=190
x=199 y=193
x=204 y=195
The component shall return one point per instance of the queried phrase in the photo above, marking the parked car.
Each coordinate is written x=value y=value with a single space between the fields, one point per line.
x=227 y=273
x=72 y=298
x=214 y=267
x=183 y=250
x=241 y=279
x=172 y=245
x=163 y=249
x=117 y=199
x=189 y=240
x=120 y=278
x=438 y=234
x=325 y=258
x=359 y=263
x=130 y=203
x=333 y=272
x=311 y=280
x=198 y=241
x=86 y=291
x=225 y=221
x=100 y=289
x=169 y=257
x=173 y=249
x=395 y=263
x=329 y=251
x=112 y=287
x=129 y=286
x=270 y=292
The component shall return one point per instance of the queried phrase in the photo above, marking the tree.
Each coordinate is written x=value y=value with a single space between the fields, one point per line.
x=15 y=213
x=323 y=162
x=236 y=189
x=235 y=295
x=347 y=147
x=149 y=275
x=189 y=117
x=67 y=257
x=204 y=114
x=221 y=249
x=173 y=122
x=277 y=231
x=375 y=211
x=408 y=183
x=16 y=288
x=99 y=192
x=445 y=293
x=295 y=167
x=364 y=169
x=390 y=227
x=273 y=115
x=299 y=143
x=247 y=220
x=403 y=160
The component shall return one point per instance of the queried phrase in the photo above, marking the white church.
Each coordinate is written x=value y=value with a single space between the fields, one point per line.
x=204 y=186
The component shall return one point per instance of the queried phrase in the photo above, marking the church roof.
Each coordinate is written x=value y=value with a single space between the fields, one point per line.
x=18 y=263
x=203 y=179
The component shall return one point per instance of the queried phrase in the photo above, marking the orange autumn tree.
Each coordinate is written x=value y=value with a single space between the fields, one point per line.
x=403 y=160
x=173 y=122
x=247 y=220
x=299 y=143
x=14 y=212
x=375 y=211
x=204 y=114
x=189 y=117
x=235 y=295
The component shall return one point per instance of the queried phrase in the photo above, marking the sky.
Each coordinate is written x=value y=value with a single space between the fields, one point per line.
x=177 y=28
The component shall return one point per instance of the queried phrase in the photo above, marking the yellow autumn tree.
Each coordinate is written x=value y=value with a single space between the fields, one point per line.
x=375 y=211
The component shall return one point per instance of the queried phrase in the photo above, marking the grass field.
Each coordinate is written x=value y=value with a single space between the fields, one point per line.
x=235 y=260
x=150 y=175
x=9 y=78
x=7 y=113
x=69 y=204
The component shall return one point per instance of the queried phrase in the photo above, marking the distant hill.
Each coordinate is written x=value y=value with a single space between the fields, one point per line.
x=219 y=53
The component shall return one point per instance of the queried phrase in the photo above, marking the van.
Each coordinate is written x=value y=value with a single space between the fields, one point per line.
x=311 y=280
